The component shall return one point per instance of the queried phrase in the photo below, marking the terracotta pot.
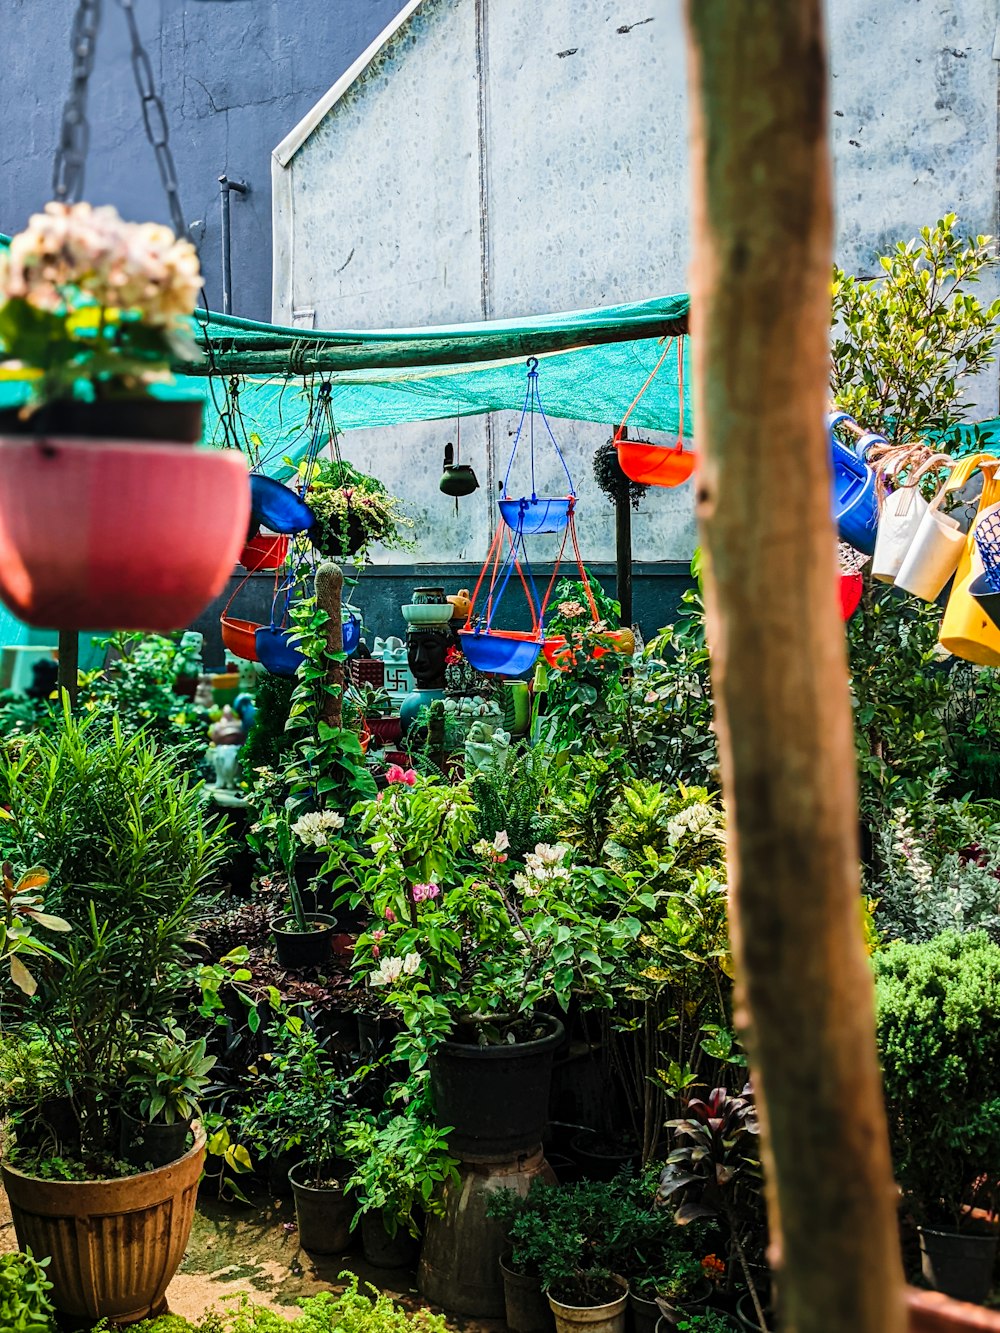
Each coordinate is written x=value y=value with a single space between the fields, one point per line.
x=103 y=534
x=933 y=1312
x=115 y=1244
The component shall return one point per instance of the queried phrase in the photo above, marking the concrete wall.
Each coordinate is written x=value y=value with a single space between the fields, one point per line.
x=234 y=76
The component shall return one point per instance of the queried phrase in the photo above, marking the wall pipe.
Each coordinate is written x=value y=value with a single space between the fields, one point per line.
x=226 y=186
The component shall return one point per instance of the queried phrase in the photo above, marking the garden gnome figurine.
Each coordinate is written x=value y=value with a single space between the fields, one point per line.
x=228 y=730
x=203 y=696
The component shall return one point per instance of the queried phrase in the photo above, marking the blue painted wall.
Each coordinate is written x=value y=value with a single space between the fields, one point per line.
x=235 y=76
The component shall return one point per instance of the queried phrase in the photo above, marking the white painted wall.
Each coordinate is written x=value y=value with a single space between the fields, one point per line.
x=502 y=157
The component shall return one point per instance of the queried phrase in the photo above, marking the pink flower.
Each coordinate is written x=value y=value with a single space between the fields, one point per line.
x=424 y=891
x=378 y=934
x=395 y=774
x=390 y=915
x=375 y=951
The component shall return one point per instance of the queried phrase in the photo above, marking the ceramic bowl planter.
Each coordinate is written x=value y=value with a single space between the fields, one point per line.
x=427 y=613
x=608 y=1317
x=104 y=532
x=115 y=1244
x=323 y=1215
x=496 y=1098
x=311 y=948
x=527 y=1306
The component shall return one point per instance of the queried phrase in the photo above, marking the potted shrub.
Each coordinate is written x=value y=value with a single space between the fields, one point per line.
x=164 y=1080
x=93 y=310
x=352 y=509
x=468 y=950
x=302 y=938
x=401 y=1166
x=129 y=852
x=938 y=1028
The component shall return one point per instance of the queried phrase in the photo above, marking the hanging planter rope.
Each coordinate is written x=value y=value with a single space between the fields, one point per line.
x=532 y=514
x=654 y=464
x=503 y=652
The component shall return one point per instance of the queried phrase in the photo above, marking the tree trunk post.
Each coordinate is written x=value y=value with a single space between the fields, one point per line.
x=623 y=548
x=329 y=594
x=761 y=219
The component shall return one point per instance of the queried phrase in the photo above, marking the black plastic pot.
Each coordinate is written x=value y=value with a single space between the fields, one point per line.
x=145 y=1145
x=746 y=1315
x=595 y=1159
x=959 y=1263
x=323 y=1216
x=385 y=1251
x=679 y=1310
x=311 y=948
x=646 y=1314
x=496 y=1098
x=527 y=1306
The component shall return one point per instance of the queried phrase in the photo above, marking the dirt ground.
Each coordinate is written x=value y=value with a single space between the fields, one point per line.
x=255 y=1250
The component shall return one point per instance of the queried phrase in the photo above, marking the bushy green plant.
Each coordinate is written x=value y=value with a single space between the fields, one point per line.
x=939 y=868
x=512 y=795
x=352 y=509
x=24 y=1303
x=167 y=1075
x=938 y=1029
x=352 y=1311
x=401 y=1164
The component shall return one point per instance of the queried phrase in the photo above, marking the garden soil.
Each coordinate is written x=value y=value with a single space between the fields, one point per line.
x=255 y=1250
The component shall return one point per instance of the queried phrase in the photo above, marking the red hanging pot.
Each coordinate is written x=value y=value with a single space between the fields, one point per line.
x=264 y=552
x=653 y=465
x=99 y=533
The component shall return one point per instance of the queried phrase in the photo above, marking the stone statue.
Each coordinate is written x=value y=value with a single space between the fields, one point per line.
x=485 y=744
x=225 y=759
x=426 y=653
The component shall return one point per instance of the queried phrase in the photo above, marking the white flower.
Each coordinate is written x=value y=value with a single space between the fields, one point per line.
x=389 y=972
x=501 y=842
x=313 y=830
x=698 y=822
x=411 y=963
x=550 y=855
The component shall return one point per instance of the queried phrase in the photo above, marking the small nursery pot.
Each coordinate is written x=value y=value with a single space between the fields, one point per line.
x=144 y=1145
x=606 y=1318
x=323 y=1216
x=746 y=1315
x=595 y=1162
x=527 y=1306
x=385 y=1251
x=311 y=948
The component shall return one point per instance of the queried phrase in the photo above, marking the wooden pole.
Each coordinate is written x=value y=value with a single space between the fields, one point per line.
x=329 y=594
x=69 y=665
x=761 y=220
x=623 y=550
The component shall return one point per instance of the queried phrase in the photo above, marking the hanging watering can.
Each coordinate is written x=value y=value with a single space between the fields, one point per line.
x=457 y=479
x=277 y=507
x=967 y=631
x=500 y=652
x=275 y=653
x=938 y=543
x=855 y=501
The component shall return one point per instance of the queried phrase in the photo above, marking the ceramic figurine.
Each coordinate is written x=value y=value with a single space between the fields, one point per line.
x=246 y=710
x=228 y=730
x=485 y=744
x=427 y=654
x=225 y=759
x=203 y=697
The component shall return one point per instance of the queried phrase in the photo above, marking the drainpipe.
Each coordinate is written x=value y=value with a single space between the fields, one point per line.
x=226 y=186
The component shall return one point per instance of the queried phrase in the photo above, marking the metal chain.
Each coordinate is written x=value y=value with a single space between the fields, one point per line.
x=74 y=136
x=155 y=120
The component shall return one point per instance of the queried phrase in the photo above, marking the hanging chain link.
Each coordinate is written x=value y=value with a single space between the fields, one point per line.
x=74 y=136
x=155 y=120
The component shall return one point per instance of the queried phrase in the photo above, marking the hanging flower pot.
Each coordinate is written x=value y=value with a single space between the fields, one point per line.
x=98 y=532
x=276 y=506
x=267 y=551
x=536 y=514
x=240 y=637
x=500 y=652
x=855 y=498
x=459 y=479
x=350 y=630
x=653 y=465
x=276 y=653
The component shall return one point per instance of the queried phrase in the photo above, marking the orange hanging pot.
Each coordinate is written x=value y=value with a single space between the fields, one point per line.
x=653 y=465
x=117 y=529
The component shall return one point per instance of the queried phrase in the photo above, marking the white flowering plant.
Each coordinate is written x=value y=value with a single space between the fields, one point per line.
x=472 y=954
x=88 y=297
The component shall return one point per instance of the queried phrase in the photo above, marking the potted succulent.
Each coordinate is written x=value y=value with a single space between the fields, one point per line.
x=937 y=999
x=352 y=509
x=376 y=708
x=129 y=852
x=93 y=310
x=401 y=1166
x=24 y=1303
x=164 y=1080
x=467 y=957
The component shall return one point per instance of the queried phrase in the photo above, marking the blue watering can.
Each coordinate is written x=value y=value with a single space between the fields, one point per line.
x=855 y=502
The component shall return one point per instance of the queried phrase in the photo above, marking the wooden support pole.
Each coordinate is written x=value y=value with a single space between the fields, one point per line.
x=761 y=221
x=69 y=665
x=329 y=594
x=623 y=549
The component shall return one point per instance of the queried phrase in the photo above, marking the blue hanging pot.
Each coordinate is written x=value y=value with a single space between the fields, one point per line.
x=536 y=513
x=275 y=506
x=275 y=653
x=350 y=630
x=500 y=652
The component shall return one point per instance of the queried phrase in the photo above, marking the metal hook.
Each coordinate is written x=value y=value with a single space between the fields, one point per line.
x=532 y=365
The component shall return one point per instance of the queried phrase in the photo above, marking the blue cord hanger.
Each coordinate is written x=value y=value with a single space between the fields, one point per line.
x=529 y=515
